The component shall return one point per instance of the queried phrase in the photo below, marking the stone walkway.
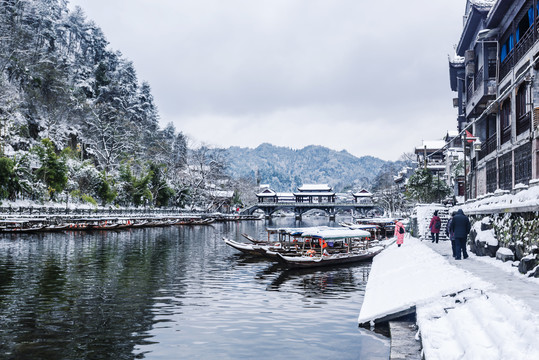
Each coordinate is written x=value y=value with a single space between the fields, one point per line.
x=516 y=285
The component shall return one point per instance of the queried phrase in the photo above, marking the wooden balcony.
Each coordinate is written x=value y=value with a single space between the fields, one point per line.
x=524 y=45
x=488 y=146
x=506 y=65
x=478 y=78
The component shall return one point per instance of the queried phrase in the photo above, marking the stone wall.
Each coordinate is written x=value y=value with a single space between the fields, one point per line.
x=517 y=232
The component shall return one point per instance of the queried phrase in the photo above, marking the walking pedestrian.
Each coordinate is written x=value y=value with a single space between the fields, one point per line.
x=450 y=234
x=435 y=226
x=399 y=232
x=460 y=226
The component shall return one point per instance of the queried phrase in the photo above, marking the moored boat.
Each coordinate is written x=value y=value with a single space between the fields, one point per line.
x=335 y=247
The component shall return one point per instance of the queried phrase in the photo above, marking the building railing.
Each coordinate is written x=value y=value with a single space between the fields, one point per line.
x=470 y=91
x=478 y=78
x=506 y=65
x=488 y=147
x=524 y=44
x=523 y=123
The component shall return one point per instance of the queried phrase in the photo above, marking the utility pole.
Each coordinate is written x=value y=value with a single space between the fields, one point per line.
x=465 y=175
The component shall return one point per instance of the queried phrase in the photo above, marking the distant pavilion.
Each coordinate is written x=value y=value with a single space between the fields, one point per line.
x=308 y=193
x=315 y=193
x=363 y=197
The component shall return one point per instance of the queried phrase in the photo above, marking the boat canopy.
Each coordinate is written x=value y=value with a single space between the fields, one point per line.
x=337 y=233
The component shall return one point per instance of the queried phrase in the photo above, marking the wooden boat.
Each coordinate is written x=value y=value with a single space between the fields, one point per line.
x=60 y=227
x=264 y=250
x=336 y=247
x=23 y=225
x=245 y=248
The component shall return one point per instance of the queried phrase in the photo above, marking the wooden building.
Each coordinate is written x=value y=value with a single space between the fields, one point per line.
x=315 y=193
x=363 y=197
x=495 y=75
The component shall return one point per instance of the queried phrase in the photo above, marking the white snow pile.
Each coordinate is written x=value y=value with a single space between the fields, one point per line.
x=411 y=275
x=501 y=200
x=487 y=236
x=477 y=325
x=459 y=315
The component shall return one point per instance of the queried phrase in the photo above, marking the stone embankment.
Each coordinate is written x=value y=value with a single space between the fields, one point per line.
x=42 y=219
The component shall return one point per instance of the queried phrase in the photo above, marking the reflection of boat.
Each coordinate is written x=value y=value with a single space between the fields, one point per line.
x=336 y=247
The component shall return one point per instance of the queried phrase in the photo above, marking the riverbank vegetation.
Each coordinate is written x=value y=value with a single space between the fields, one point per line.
x=76 y=124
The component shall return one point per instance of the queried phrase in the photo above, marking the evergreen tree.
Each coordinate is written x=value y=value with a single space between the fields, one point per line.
x=53 y=170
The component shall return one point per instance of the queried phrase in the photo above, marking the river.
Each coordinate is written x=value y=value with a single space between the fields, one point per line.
x=174 y=293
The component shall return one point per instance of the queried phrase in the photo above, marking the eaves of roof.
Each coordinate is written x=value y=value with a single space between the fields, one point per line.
x=474 y=19
x=498 y=11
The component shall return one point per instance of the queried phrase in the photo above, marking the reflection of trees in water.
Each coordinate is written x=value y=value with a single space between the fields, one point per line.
x=83 y=295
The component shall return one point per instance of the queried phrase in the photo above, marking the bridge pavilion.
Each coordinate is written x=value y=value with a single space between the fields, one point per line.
x=315 y=193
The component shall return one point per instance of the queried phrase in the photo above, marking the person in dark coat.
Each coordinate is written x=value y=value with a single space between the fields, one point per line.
x=460 y=226
x=450 y=234
x=434 y=227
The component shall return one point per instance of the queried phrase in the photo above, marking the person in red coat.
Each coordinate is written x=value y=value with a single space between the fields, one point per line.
x=399 y=232
x=434 y=227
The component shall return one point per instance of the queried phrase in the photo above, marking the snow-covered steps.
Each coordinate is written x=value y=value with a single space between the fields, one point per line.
x=477 y=325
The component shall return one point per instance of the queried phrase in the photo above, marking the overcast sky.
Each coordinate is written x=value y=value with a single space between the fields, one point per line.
x=371 y=77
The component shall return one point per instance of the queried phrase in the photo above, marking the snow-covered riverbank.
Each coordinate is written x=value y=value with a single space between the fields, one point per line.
x=467 y=309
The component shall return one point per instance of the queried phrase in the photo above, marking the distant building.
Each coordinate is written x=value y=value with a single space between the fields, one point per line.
x=431 y=155
x=267 y=195
x=454 y=155
x=495 y=76
x=363 y=197
x=315 y=193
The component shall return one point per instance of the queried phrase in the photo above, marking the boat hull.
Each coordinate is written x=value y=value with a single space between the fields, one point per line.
x=302 y=262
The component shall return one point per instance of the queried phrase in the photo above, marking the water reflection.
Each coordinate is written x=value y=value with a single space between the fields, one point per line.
x=156 y=293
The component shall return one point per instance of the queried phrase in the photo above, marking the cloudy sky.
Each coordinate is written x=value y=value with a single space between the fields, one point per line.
x=368 y=76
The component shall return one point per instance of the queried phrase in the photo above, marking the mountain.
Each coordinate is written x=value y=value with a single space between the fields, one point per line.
x=284 y=169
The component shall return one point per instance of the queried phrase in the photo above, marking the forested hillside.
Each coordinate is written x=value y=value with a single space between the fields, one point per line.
x=284 y=169
x=78 y=126
x=76 y=122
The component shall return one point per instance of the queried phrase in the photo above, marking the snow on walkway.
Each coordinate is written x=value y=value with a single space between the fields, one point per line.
x=461 y=312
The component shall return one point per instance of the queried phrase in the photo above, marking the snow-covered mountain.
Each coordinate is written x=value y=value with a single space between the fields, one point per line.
x=284 y=168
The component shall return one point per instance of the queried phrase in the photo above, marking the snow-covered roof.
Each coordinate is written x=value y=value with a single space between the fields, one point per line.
x=432 y=144
x=266 y=192
x=314 y=193
x=363 y=193
x=336 y=233
x=483 y=3
x=314 y=187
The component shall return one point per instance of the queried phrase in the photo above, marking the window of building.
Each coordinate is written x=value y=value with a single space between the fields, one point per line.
x=492 y=177
x=507 y=47
x=505 y=114
x=524 y=24
x=521 y=101
x=505 y=171
x=523 y=164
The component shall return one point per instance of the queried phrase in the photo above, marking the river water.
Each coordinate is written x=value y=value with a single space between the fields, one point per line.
x=174 y=293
